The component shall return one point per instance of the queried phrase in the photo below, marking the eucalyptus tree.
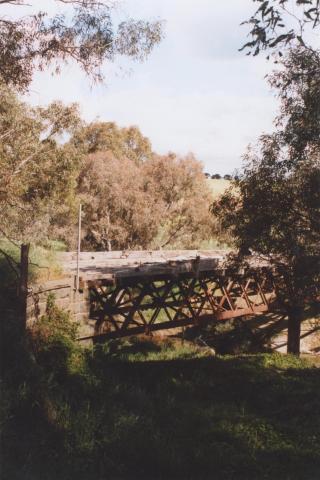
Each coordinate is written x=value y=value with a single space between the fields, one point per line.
x=274 y=211
x=279 y=24
x=162 y=201
x=107 y=136
x=38 y=167
x=84 y=32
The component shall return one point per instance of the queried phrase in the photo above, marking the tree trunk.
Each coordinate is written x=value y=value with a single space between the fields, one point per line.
x=23 y=285
x=294 y=328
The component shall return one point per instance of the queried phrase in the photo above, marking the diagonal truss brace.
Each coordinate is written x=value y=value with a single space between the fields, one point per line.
x=146 y=305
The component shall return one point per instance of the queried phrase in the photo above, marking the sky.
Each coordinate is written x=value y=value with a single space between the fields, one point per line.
x=195 y=93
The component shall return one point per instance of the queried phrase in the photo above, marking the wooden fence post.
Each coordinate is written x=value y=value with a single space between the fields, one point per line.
x=78 y=249
x=23 y=285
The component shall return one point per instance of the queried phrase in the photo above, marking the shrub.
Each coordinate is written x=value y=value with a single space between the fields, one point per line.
x=53 y=339
x=55 y=323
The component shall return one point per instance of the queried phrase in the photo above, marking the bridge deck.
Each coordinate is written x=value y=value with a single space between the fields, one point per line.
x=119 y=265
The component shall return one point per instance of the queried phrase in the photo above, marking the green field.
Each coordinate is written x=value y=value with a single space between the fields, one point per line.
x=160 y=410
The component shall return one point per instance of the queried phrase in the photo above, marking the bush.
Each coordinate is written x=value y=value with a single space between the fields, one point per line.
x=53 y=339
x=55 y=323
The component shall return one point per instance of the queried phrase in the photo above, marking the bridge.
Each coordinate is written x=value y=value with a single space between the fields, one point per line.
x=133 y=292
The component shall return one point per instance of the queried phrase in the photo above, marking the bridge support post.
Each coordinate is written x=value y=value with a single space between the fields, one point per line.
x=294 y=329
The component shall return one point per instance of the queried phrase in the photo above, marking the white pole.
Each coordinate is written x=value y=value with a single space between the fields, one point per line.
x=79 y=247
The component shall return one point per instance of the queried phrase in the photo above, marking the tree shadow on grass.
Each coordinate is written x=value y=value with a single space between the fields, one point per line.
x=254 y=334
x=246 y=417
x=222 y=418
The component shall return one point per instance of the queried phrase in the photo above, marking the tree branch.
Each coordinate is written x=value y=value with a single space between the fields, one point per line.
x=12 y=2
x=85 y=3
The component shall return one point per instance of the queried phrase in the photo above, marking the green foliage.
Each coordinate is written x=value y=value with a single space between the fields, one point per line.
x=38 y=170
x=55 y=323
x=181 y=197
x=108 y=137
x=53 y=340
x=279 y=24
x=83 y=32
x=137 y=349
x=275 y=208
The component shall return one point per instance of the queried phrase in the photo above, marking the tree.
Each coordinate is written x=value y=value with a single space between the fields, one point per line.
x=50 y=161
x=135 y=145
x=278 y=24
x=38 y=170
x=84 y=33
x=107 y=136
x=120 y=213
x=282 y=174
x=161 y=202
x=183 y=196
x=275 y=211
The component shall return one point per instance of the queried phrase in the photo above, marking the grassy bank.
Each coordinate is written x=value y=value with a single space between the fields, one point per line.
x=42 y=262
x=158 y=410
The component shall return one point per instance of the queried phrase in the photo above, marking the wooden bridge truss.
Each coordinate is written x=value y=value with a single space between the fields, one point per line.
x=143 y=305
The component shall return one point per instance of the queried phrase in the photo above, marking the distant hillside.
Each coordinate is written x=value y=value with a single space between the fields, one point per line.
x=218 y=186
